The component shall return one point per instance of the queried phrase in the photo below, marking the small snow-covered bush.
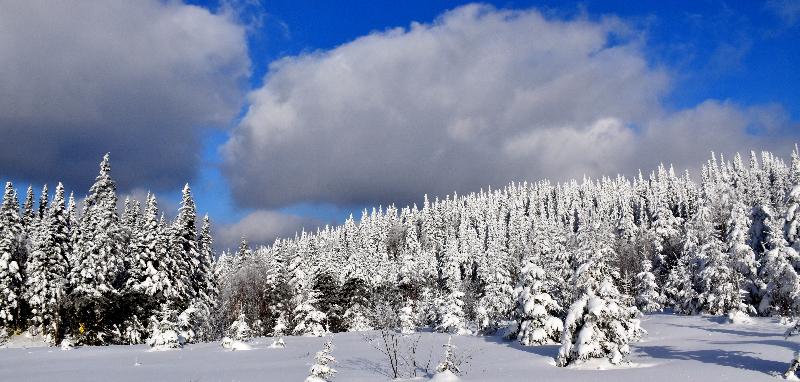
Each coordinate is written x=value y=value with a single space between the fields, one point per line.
x=67 y=344
x=165 y=335
x=278 y=343
x=239 y=329
x=232 y=344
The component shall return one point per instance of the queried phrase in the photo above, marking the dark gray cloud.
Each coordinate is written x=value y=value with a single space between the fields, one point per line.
x=480 y=97
x=136 y=78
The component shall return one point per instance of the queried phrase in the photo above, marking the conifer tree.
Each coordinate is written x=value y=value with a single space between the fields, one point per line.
x=779 y=275
x=11 y=276
x=322 y=371
x=48 y=268
x=307 y=320
x=184 y=255
x=792 y=225
x=743 y=258
x=648 y=299
x=97 y=274
x=536 y=311
x=601 y=322
x=28 y=213
x=680 y=288
x=497 y=299
x=43 y=198
x=450 y=308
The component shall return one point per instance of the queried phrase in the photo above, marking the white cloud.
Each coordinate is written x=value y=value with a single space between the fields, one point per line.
x=262 y=227
x=479 y=97
x=137 y=78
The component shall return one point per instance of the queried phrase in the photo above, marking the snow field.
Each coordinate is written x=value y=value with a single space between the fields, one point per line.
x=676 y=348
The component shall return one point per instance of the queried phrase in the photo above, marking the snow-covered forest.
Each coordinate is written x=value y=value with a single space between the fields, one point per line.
x=573 y=263
x=99 y=276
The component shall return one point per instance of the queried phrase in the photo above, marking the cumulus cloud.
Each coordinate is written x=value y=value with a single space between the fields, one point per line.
x=137 y=78
x=479 y=97
x=262 y=227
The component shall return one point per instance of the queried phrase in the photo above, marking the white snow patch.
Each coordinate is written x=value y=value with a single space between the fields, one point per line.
x=445 y=376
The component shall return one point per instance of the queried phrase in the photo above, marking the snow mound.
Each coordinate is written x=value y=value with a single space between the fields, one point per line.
x=232 y=345
x=66 y=344
x=739 y=318
x=277 y=344
x=445 y=376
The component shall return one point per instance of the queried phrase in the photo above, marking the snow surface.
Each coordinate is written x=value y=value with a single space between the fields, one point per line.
x=677 y=348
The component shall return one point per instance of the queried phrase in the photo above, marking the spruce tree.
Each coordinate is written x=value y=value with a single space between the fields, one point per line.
x=648 y=299
x=498 y=294
x=307 y=320
x=28 y=213
x=97 y=274
x=184 y=254
x=48 y=270
x=536 y=312
x=743 y=258
x=601 y=323
x=322 y=371
x=11 y=276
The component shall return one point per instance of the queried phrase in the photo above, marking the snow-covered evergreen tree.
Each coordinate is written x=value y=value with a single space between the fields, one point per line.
x=97 y=274
x=355 y=318
x=680 y=289
x=408 y=321
x=48 y=268
x=601 y=323
x=450 y=307
x=536 y=312
x=239 y=329
x=648 y=299
x=449 y=365
x=498 y=294
x=184 y=255
x=743 y=258
x=11 y=276
x=165 y=334
x=322 y=371
x=792 y=225
x=307 y=320
x=779 y=275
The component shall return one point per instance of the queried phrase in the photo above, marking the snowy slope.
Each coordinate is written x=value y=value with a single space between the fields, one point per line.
x=677 y=348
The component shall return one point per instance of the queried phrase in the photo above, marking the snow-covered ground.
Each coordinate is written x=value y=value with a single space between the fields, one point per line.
x=677 y=348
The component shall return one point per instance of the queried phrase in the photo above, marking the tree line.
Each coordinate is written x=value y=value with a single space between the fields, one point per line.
x=101 y=277
x=541 y=262
x=572 y=263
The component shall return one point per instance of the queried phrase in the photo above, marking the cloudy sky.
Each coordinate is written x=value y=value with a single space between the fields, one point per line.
x=290 y=114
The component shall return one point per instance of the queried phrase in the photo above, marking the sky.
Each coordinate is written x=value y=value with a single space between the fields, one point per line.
x=284 y=115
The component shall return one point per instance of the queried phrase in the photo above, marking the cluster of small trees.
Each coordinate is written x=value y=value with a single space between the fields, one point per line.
x=100 y=277
x=567 y=263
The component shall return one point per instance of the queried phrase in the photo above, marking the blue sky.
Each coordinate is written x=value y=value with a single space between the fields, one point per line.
x=687 y=36
x=709 y=63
